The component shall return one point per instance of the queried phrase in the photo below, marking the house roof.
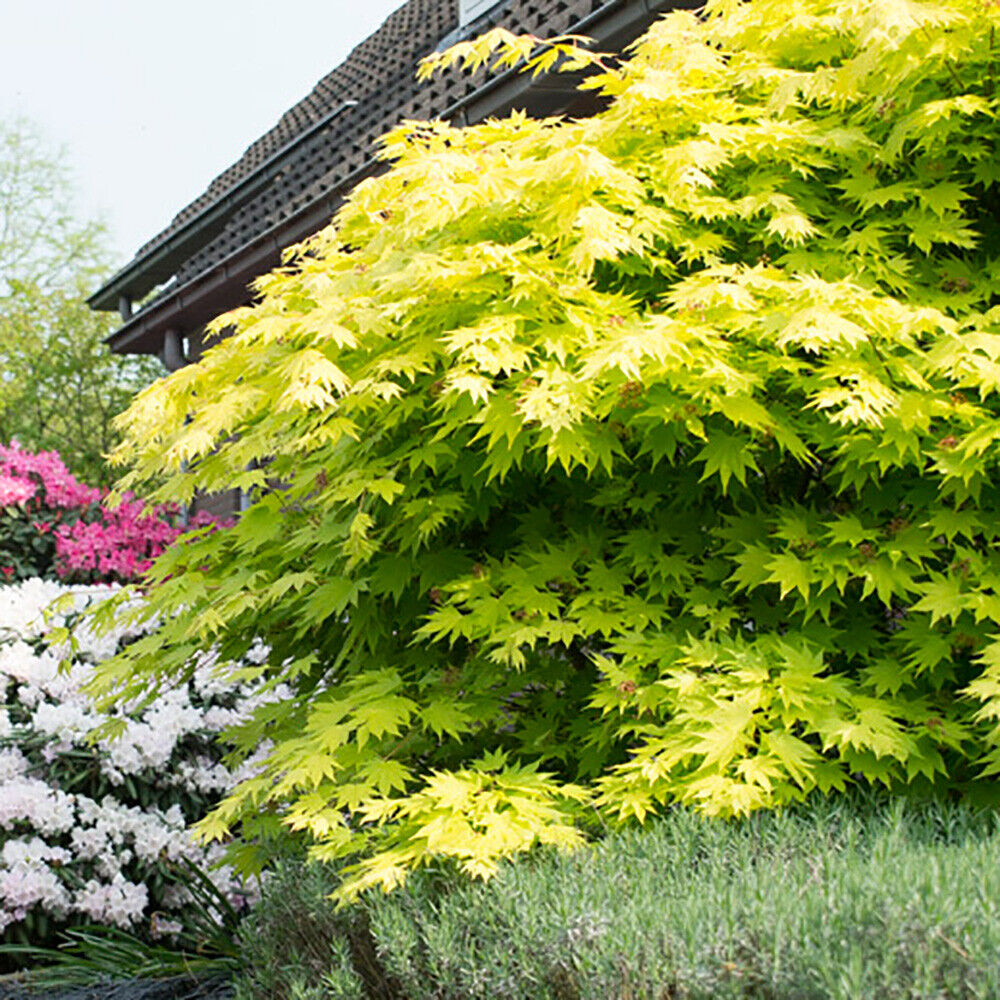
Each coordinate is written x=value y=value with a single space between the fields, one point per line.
x=290 y=180
x=374 y=65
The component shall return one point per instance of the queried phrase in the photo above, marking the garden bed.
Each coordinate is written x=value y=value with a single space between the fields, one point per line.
x=836 y=902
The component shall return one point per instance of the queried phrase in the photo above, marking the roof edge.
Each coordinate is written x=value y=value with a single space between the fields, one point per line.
x=145 y=271
x=614 y=19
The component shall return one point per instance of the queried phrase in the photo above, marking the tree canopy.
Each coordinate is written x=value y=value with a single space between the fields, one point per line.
x=61 y=386
x=604 y=464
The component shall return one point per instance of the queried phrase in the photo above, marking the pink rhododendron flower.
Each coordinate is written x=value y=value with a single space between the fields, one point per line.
x=60 y=487
x=15 y=491
x=72 y=535
x=122 y=544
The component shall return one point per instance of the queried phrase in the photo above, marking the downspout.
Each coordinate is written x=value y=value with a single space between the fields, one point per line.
x=174 y=359
x=172 y=355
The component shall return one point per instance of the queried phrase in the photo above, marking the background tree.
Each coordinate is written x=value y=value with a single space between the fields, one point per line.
x=61 y=386
x=643 y=459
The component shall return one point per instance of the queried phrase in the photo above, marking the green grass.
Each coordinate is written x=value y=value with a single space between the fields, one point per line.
x=843 y=901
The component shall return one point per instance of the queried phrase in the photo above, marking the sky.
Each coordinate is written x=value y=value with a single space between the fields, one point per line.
x=150 y=100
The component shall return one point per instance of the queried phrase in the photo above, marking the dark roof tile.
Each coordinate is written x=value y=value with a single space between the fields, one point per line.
x=376 y=64
x=317 y=164
x=328 y=157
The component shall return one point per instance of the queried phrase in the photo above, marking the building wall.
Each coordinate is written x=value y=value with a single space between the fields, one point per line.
x=220 y=505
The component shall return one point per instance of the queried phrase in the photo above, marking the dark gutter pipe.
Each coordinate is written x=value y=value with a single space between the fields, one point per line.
x=172 y=355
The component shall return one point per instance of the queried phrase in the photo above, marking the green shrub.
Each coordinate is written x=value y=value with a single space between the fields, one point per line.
x=620 y=462
x=294 y=945
x=840 y=902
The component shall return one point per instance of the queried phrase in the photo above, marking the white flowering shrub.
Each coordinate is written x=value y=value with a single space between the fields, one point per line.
x=97 y=832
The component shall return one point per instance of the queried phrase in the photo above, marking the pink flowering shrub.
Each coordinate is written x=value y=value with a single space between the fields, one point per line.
x=51 y=525
x=54 y=484
x=15 y=492
x=121 y=544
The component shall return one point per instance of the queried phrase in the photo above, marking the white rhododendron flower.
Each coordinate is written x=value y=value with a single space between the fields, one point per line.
x=13 y=764
x=21 y=606
x=31 y=801
x=117 y=902
x=94 y=849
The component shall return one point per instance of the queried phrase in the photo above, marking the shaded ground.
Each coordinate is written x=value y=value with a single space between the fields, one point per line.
x=136 y=989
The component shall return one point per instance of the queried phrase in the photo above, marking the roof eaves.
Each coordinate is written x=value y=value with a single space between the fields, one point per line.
x=616 y=20
x=159 y=263
x=503 y=89
x=239 y=265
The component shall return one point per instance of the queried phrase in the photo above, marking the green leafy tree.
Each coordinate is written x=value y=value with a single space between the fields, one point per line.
x=610 y=463
x=61 y=386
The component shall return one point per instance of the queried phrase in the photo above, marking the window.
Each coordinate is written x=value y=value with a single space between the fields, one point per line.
x=469 y=10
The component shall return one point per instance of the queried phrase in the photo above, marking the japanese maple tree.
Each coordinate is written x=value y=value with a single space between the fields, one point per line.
x=617 y=462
